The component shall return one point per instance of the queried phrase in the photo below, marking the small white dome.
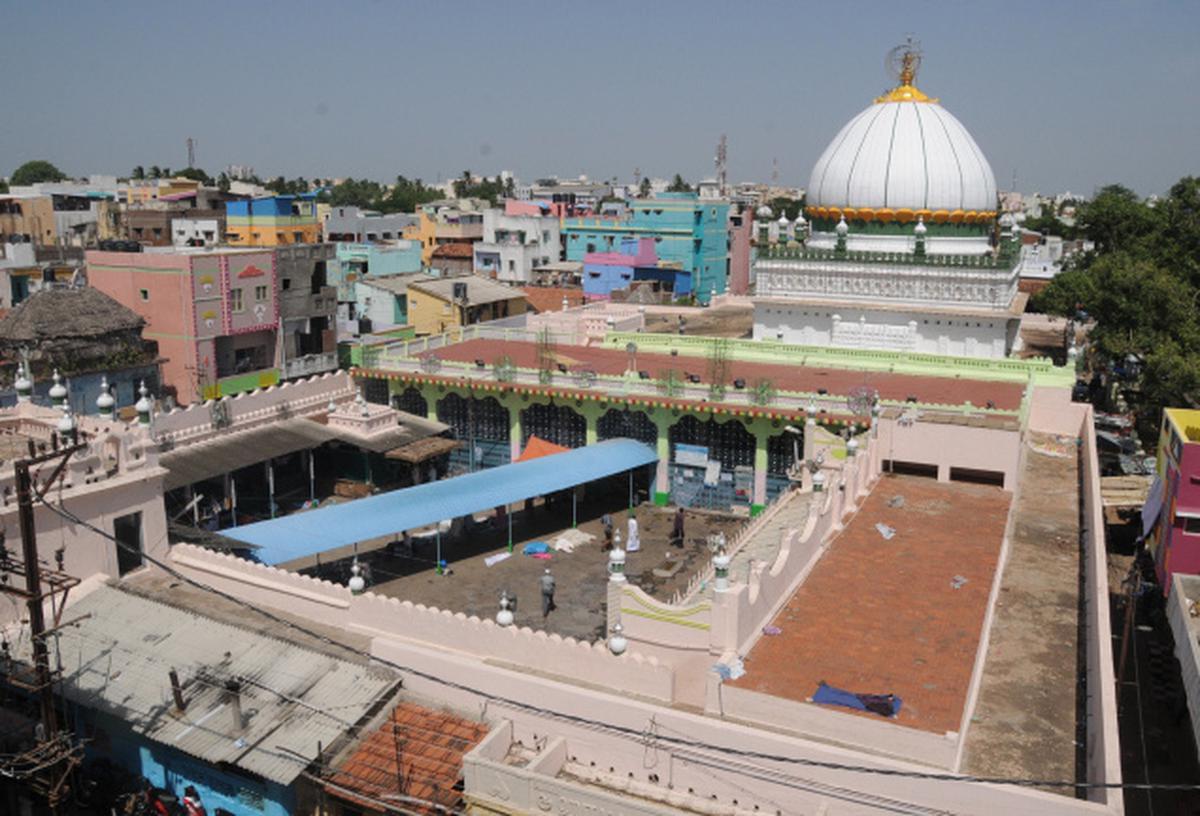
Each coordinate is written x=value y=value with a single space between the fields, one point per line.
x=105 y=401
x=58 y=391
x=920 y=228
x=1007 y=220
x=763 y=212
x=800 y=222
x=842 y=227
x=783 y=221
x=22 y=383
x=143 y=405
x=66 y=424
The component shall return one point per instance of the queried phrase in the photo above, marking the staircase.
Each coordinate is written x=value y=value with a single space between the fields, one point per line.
x=763 y=544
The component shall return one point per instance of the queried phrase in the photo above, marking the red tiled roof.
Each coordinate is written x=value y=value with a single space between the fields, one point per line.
x=454 y=250
x=1005 y=396
x=550 y=298
x=417 y=752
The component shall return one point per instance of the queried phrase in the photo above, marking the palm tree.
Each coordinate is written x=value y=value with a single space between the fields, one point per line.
x=139 y=172
x=155 y=171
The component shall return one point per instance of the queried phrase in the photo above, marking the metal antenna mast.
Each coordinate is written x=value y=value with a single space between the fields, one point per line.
x=722 y=156
x=191 y=149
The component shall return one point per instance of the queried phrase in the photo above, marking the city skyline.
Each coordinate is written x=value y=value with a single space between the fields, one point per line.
x=1063 y=100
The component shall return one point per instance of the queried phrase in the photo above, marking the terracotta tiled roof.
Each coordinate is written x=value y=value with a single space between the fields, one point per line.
x=550 y=298
x=416 y=752
x=455 y=250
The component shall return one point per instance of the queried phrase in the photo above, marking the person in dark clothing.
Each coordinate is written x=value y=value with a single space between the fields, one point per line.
x=607 y=522
x=677 y=529
x=547 y=585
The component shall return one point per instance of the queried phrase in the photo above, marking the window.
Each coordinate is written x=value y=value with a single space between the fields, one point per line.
x=298 y=236
x=1191 y=526
x=144 y=294
x=235 y=300
x=260 y=294
x=511 y=266
x=591 y=247
x=545 y=236
x=127 y=530
x=286 y=284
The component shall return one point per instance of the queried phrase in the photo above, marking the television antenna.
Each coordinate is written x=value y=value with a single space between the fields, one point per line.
x=860 y=399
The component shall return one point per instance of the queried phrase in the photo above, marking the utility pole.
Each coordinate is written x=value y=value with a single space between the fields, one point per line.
x=49 y=764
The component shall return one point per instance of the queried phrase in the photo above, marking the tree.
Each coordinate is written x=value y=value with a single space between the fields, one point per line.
x=644 y=188
x=196 y=174
x=139 y=172
x=678 y=185
x=34 y=172
x=783 y=205
x=223 y=183
x=1115 y=219
x=155 y=171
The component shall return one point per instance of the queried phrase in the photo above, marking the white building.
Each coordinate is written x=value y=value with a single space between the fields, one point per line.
x=187 y=232
x=899 y=248
x=513 y=245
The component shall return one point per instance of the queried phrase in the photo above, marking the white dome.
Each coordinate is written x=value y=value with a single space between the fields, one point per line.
x=903 y=155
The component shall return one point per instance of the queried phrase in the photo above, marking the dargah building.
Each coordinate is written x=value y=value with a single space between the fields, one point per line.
x=901 y=248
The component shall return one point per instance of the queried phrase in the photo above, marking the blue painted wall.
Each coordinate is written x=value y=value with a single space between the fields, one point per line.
x=691 y=232
x=84 y=388
x=377 y=260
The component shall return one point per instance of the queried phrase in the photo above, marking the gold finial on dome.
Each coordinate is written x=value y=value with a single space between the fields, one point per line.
x=902 y=62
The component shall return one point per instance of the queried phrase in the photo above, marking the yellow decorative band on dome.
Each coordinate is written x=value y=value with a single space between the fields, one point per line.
x=902 y=215
x=904 y=93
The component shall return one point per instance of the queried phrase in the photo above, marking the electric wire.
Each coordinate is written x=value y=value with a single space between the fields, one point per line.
x=624 y=730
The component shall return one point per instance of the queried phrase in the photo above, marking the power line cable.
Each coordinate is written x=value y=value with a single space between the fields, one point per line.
x=624 y=730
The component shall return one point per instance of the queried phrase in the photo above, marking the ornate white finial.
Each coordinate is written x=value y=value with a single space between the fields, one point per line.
x=505 y=616
x=144 y=405
x=721 y=563
x=356 y=583
x=616 y=563
x=332 y=406
x=818 y=480
x=23 y=384
x=105 y=402
x=617 y=644
x=566 y=303
x=66 y=425
x=920 y=228
x=58 y=391
x=842 y=228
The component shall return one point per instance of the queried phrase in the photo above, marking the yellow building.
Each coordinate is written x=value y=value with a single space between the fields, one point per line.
x=273 y=221
x=142 y=192
x=439 y=304
x=445 y=224
x=31 y=217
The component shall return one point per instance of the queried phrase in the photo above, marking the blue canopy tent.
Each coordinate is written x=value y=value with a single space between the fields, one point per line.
x=309 y=533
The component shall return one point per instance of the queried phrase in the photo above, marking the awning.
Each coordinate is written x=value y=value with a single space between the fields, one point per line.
x=315 y=531
x=537 y=447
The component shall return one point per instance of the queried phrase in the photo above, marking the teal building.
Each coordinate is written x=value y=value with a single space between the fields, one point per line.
x=355 y=262
x=687 y=231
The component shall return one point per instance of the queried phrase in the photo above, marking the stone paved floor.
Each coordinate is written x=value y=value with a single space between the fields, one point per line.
x=878 y=616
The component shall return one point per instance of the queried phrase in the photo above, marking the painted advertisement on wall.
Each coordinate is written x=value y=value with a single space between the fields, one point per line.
x=251 y=300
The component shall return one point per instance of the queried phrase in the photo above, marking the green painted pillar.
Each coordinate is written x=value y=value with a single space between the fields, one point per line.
x=592 y=436
x=758 y=499
x=662 y=474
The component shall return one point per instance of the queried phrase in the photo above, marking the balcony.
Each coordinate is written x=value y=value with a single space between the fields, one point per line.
x=240 y=383
x=310 y=364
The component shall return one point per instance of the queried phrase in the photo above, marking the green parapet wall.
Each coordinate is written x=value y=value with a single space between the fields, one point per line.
x=231 y=386
x=1038 y=371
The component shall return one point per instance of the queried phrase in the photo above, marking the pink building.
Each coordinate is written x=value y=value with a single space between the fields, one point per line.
x=214 y=314
x=741 y=233
x=1175 y=498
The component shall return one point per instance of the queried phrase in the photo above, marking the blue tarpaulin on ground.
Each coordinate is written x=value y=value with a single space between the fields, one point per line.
x=305 y=534
x=887 y=705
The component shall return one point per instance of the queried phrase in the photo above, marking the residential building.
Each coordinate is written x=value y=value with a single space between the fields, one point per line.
x=355 y=262
x=145 y=192
x=605 y=272
x=384 y=300
x=447 y=222
x=542 y=299
x=452 y=259
x=899 y=251
x=26 y=268
x=688 y=232
x=157 y=226
x=81 y=339
x=28 y=220
x=741 y=249
x=514 y=244
x=198 y=228
x=272 y=221
x=216 y=313
x=1172 y=511
x=353 y=224
x=438 y=304
x=578 y=196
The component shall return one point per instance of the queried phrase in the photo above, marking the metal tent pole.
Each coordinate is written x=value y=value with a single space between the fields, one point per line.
x=508 y=512
x=574 y=509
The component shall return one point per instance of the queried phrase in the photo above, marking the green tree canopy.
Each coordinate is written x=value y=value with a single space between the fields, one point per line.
x=678 y=185
x=1141 y=284
x=139 y=172
x=195 y=174
x=491 y=189
x=33 y=172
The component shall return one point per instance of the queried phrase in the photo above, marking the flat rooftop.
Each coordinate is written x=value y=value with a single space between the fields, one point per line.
x=614 y=362
x=893 y=616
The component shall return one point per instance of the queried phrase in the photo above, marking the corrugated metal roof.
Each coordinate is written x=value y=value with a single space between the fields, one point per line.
x=117 y=661
x=305 y=534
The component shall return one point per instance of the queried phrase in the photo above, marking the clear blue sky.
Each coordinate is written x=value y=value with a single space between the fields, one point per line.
x=1070 y=95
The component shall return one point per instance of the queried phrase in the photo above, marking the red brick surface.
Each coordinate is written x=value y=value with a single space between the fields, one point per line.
x=879 y=617
x=417 y=752
x=936 y=390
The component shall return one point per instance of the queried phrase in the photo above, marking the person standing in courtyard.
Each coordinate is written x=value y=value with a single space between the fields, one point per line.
x=677 y=528
x=547 y=582
x=632 y=542
x=606 y=521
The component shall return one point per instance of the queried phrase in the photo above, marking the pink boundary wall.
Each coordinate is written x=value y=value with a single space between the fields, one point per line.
x=392 y=620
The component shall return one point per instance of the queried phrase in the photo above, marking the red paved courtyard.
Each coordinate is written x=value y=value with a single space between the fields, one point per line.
x=878 y=616
x=932 y=390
